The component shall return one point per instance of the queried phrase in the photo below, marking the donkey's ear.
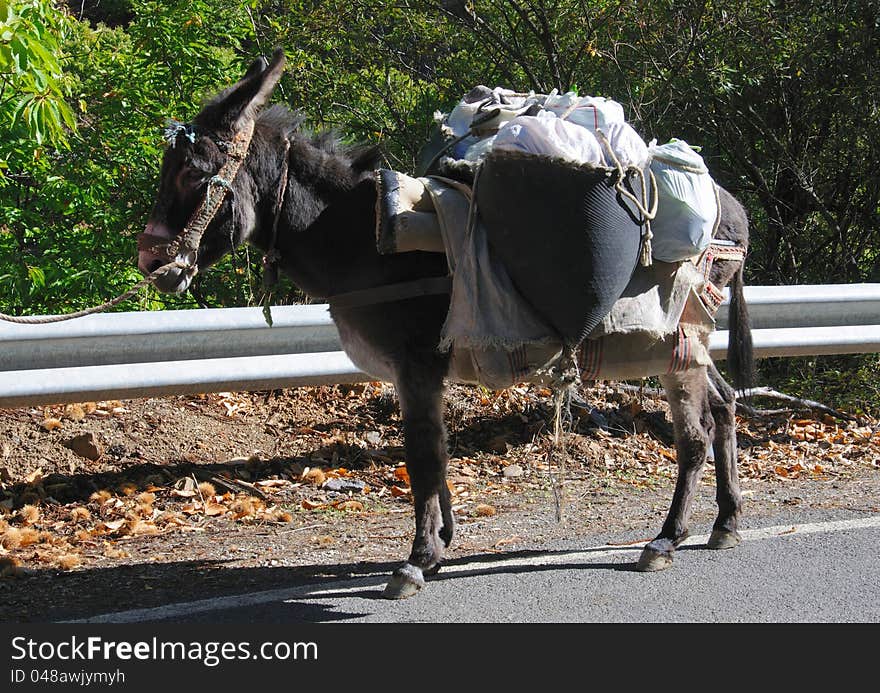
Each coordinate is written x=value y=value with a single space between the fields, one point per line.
x=241 y=102
x=257 y=67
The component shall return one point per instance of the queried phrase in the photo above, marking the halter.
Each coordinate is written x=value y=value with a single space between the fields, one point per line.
x=187 y=241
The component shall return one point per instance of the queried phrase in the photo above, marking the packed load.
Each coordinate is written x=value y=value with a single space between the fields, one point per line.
x=593 y=131
x=551 y=210
x=583 y=130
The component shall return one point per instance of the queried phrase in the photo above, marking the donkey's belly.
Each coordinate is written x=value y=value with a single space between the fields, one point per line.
x=363 y=354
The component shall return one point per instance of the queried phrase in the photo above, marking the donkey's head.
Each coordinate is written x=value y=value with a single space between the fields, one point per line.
x=204 y=207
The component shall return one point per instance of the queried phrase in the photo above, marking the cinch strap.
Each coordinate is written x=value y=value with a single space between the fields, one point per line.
x=429 y=286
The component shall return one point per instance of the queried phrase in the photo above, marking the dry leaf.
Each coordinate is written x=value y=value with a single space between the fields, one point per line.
x=139 y=527
x=182 y=494
x=350 y=505
x=113 y=526
x=402 y=474
x=213 y=509
x=272 y=483
x=396 y=491
x=309 y=505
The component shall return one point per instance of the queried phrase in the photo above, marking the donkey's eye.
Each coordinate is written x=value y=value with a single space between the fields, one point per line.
x=191 y=177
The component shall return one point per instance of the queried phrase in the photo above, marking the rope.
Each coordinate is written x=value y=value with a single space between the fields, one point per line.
x=272 y=256
x=46 y=319
x=648 y=214
x=564 y=374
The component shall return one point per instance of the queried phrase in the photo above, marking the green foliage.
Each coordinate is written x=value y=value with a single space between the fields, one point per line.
x=32 y=86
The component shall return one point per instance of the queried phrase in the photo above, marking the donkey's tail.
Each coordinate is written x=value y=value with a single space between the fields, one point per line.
x=740 y=350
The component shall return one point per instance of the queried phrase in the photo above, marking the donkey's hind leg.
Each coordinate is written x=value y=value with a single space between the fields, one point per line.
x=420 y=391
x=694 y=428
x=722 y=401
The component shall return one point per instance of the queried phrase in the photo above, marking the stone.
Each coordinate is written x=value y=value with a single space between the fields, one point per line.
x=86 y=445
x=343 y=485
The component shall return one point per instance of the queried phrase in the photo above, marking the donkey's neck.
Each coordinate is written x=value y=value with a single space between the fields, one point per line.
x=335 y=252
x=326 y=236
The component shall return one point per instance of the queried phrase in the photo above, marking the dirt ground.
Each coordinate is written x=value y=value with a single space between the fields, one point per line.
x=108 y=506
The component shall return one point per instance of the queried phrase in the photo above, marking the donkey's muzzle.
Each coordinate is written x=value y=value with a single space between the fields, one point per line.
x=154 y=252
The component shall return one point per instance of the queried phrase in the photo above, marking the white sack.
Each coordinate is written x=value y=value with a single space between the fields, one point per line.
x=593 y=112
x=687 y=208
x=547 y=135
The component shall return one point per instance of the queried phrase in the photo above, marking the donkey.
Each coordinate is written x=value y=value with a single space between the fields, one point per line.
x=309 y=202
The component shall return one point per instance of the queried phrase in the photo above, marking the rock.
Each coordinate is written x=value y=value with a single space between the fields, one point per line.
x=512 y=471
x=86 y=446
x=343 y=485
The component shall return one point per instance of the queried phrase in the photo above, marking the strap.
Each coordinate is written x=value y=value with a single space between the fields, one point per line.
x=428 y=286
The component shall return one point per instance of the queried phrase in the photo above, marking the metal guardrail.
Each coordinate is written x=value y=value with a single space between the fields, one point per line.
x=125 y=355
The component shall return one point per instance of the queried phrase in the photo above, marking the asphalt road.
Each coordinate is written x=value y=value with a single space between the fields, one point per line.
x=814 y=568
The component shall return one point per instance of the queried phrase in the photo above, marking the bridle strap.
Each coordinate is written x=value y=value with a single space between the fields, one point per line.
x=270 y=259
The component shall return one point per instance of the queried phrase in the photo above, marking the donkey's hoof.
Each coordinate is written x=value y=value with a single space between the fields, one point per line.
x=723 y=539
x=433 y=570
x=446 y=532
x=656 y=556
x=404 y=583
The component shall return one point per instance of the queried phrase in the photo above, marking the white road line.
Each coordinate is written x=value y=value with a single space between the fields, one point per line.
x=597 y=553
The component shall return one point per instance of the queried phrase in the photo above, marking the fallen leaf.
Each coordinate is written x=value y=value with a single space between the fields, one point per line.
x=113 y=526
x=182 y=494
x=272 y=483
x=212 y=509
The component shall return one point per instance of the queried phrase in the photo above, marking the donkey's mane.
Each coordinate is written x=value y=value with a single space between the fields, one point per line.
x=290 y=123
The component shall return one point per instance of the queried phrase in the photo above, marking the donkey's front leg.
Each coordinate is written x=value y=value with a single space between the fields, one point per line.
x=421 y=406
x=694 y=429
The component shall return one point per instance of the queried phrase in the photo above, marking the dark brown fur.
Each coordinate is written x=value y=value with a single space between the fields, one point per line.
x=327 y=246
